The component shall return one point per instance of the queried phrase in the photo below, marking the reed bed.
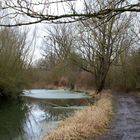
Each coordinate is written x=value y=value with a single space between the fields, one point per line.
x=90 y=122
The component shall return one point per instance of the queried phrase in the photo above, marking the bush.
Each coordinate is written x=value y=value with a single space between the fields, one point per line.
x=12 y=63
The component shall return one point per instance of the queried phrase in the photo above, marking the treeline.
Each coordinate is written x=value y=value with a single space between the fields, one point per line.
x=13 y=62
x=94 y=53
x=124 y=74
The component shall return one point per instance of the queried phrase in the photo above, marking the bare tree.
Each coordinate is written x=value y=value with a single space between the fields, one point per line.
x=60 y=40
x=95 y=46
x=100 y=46
x=59 y=47
x=25 y=12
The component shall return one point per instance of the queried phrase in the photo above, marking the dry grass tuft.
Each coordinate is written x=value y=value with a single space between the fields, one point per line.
x=87 y=123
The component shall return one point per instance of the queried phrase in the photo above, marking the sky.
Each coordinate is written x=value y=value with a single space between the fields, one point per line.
x=40 y=28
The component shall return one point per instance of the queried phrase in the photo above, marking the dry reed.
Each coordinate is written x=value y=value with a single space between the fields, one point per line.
x=87 y=123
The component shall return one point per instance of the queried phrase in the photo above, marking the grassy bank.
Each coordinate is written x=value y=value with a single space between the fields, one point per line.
x=87 y=123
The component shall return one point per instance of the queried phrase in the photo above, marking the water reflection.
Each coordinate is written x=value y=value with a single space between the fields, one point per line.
x=12 y=116
x=32 y=118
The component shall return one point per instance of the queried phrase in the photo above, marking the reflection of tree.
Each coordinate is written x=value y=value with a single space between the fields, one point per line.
x=12 y=115
x=52 y=111
x=56 y=114
x=68 y=102
x=18 y=123
x=56 y=110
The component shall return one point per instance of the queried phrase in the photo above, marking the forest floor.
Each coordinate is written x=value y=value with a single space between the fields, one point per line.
x=126 y=125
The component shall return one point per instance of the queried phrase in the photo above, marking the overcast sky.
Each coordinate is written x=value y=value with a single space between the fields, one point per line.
x=40 y=28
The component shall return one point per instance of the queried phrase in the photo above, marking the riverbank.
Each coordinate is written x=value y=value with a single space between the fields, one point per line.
x=87 y=123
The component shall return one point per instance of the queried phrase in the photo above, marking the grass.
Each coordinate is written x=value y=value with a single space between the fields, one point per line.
x=87 y=123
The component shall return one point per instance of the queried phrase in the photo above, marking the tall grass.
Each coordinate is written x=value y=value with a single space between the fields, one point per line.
x=87 y=123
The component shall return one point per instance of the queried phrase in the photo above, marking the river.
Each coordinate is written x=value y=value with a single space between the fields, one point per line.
x=39 y=112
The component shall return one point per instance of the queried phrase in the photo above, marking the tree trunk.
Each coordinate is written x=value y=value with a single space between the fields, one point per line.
x=101 y=76
x=100 y=85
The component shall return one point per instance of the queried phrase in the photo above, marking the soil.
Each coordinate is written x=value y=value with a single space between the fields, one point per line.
x=126 y=125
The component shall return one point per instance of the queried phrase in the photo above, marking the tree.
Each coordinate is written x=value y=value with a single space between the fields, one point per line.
x=13 y=64
x=95 y=46
x=26 y=12
x=124 y=73
x=59 y=48
x=100 y=45
x=136 y=67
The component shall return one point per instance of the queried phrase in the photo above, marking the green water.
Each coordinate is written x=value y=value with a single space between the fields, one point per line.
x=39 y=113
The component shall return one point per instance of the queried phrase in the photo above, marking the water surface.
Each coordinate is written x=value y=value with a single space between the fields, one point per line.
x=54 y=94
x=39 y=113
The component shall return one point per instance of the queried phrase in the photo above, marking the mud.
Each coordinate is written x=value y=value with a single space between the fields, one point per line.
x=126 y=125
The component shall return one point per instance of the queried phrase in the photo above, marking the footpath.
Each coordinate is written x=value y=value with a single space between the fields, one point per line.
x=126 y=125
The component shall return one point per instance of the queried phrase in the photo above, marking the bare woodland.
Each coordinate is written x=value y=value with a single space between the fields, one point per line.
x=92 y=46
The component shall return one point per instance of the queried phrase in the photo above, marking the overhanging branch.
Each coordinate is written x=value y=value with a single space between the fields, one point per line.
x=67 y=18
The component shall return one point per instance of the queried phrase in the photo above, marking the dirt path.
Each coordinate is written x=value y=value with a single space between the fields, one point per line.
x=127 y=123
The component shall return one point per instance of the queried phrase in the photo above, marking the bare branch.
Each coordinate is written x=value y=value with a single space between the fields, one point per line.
x=27 y=9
